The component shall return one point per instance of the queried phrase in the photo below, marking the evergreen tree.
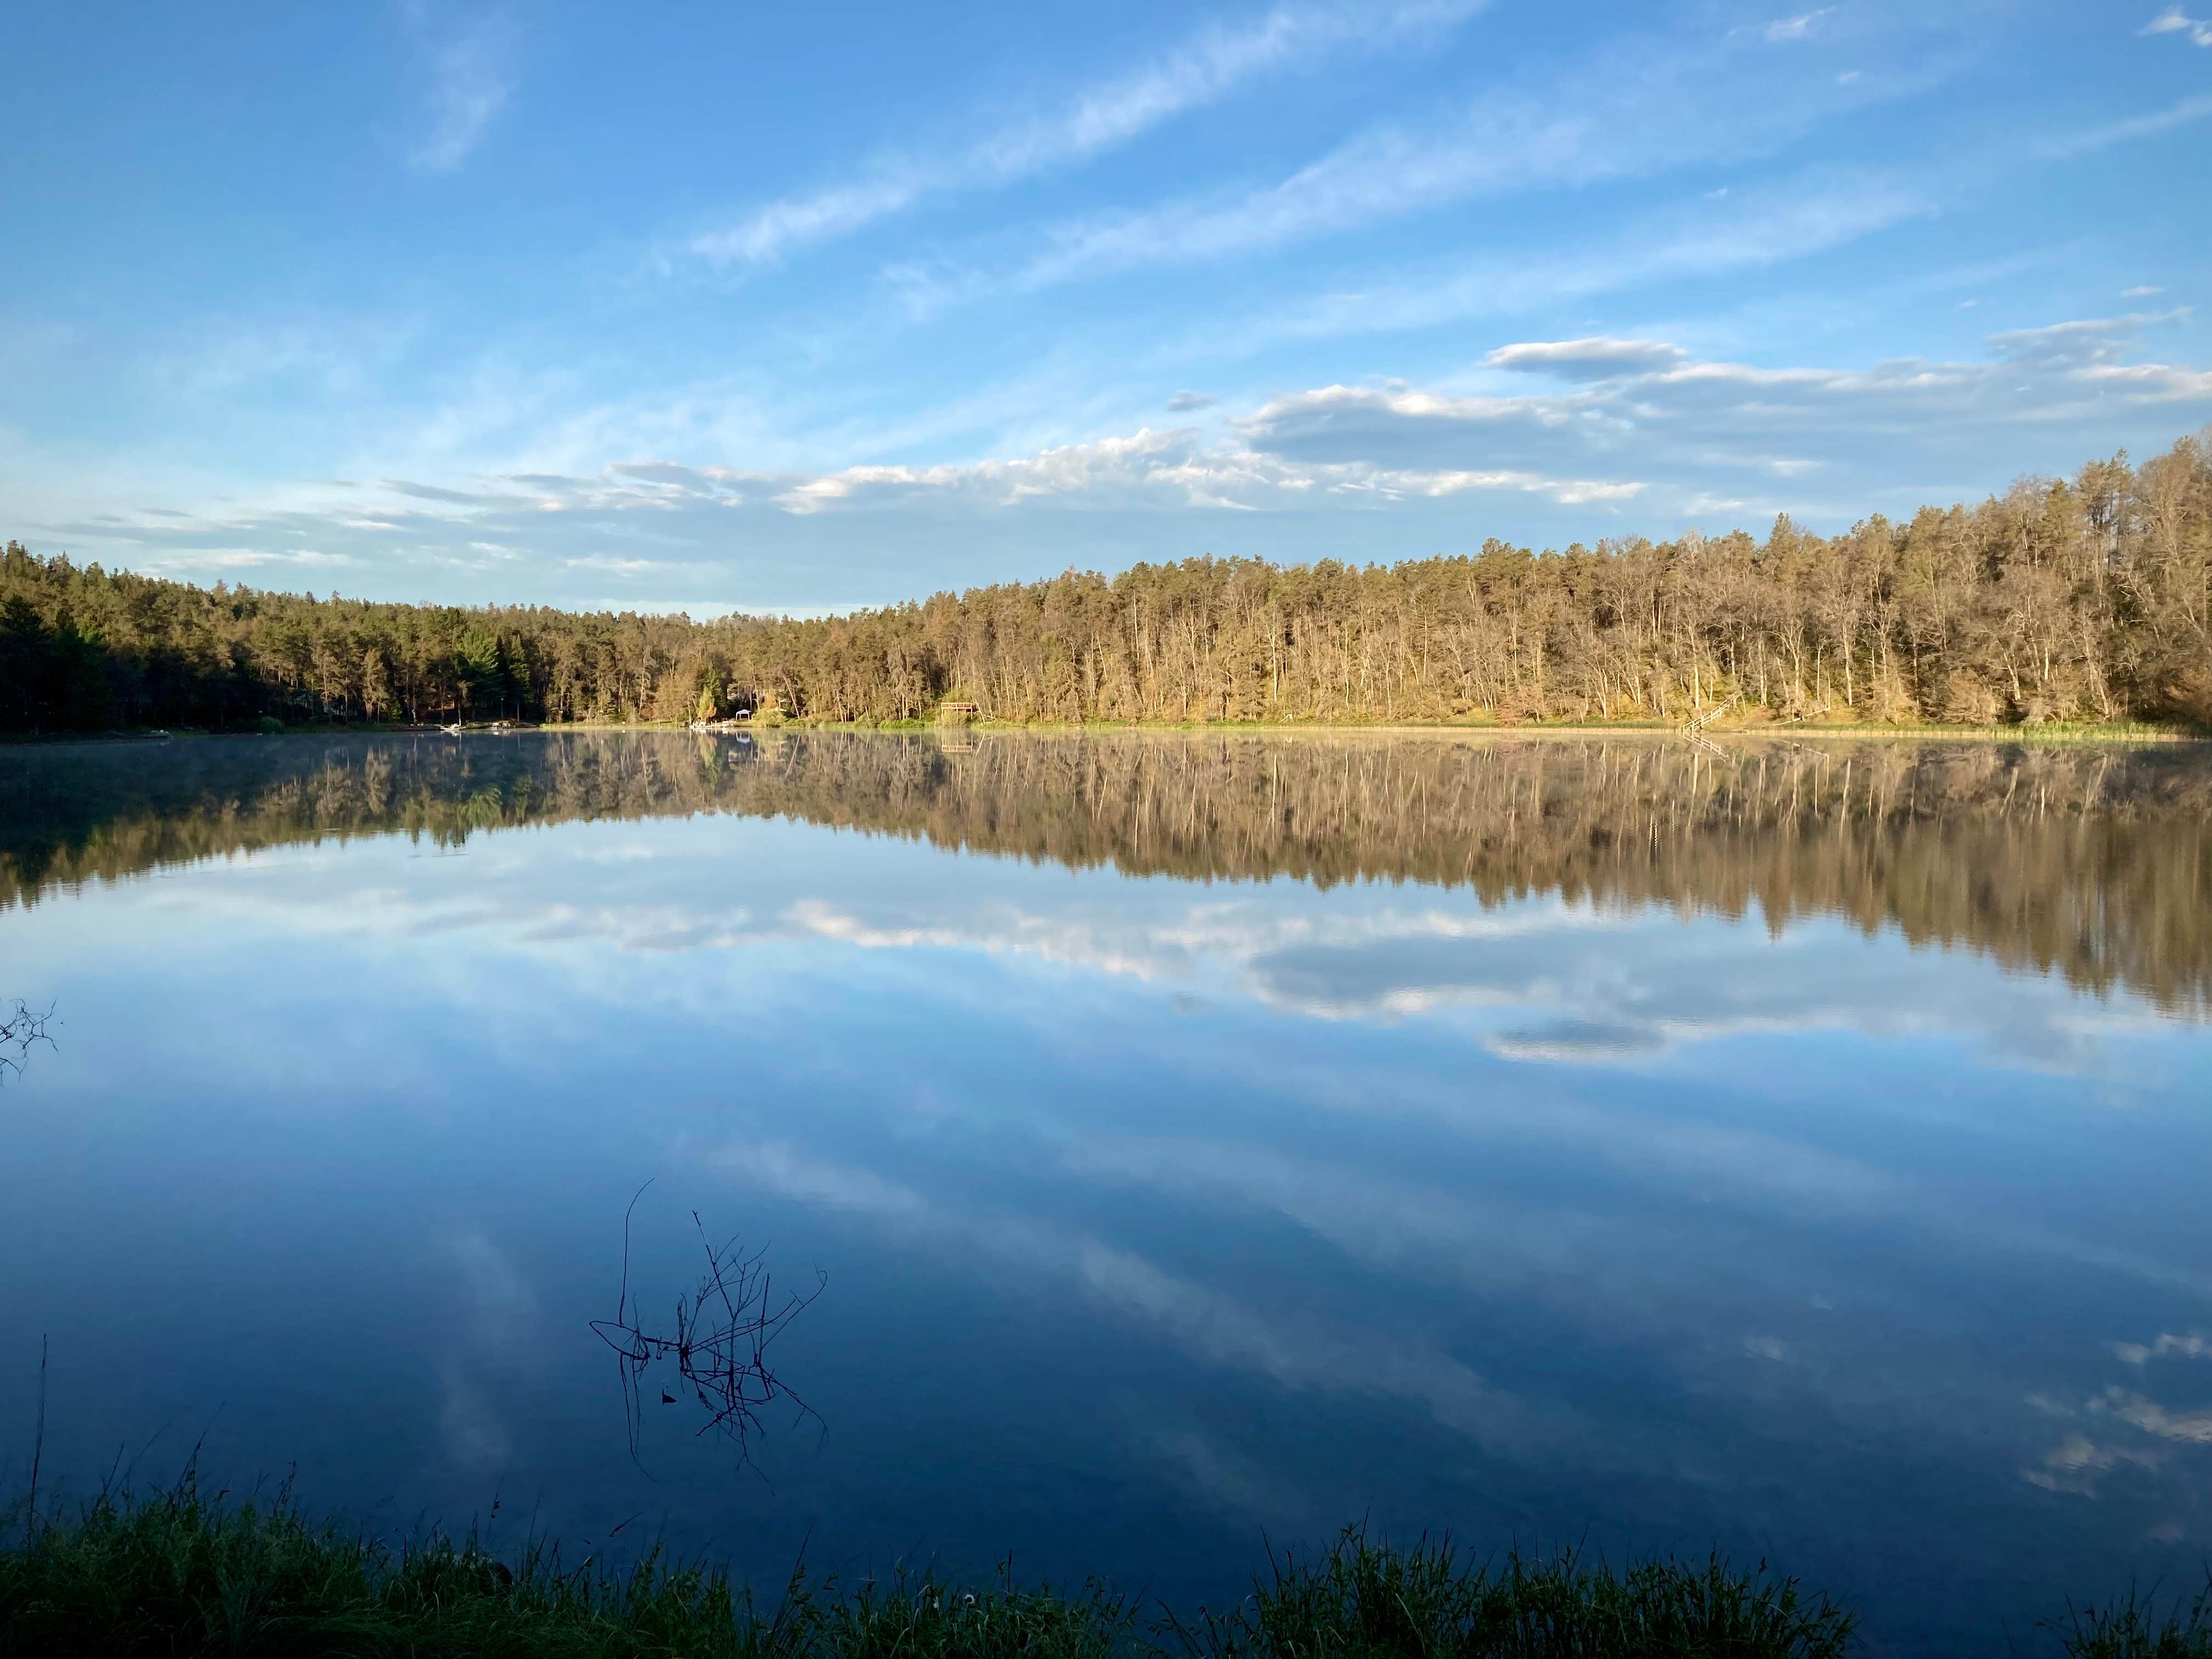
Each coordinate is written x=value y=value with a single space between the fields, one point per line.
x=481 y=670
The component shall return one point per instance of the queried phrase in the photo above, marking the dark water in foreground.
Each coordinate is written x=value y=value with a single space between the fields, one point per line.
x=1801 y=1151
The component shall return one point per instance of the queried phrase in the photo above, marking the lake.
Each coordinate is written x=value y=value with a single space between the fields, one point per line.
x=1798 y=1148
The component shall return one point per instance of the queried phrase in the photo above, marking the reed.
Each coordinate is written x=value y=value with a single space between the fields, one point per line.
x=2143 y=1626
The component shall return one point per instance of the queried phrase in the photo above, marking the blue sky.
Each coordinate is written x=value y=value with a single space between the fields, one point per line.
x=806 y=308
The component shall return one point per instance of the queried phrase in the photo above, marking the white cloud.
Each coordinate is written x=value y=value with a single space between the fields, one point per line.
x=1594 y=359
x=1798 y=27
x=1070 y=470
x=1404 y=402
x=471 y=78
x=1203 y=69
x=245 y=558
x=1171 y=468
x=2195 y=1345
x=1582 y=426
x=2175 y=20
x=1698 y=423
x=2075 y=1464
x=1184 y=403
x=2194 y=1428
x=2154 y=382
x=792 y=1172
x=2181 y=114
x=2076 y=344
x=614 y=567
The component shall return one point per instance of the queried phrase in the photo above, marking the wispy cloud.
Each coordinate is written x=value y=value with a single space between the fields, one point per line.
x=242 y=558
x=1809 y=214
x=471 y=76
x=2135 y=126
x=1216 y=1327
x=2175 y=20
x=2087 y=343
x=1798 y=27
x=1203 y=69
x=1643 y=109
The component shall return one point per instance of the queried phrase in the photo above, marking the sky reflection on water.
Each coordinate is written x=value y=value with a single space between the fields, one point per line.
x=1156 y=1211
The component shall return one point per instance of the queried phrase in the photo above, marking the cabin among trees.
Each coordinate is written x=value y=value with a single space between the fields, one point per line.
x=2087 y=598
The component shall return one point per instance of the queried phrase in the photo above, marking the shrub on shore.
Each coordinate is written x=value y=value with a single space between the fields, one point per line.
x=1361 y=1600
x=181 y=1574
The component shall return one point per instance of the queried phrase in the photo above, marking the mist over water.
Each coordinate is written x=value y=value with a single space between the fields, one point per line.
x=1797 y=1148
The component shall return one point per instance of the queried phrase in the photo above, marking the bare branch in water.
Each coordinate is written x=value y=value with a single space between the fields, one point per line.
x=22 y=1027
x=720 y=1341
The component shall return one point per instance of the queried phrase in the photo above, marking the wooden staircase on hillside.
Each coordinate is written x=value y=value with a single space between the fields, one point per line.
x=1696 y=724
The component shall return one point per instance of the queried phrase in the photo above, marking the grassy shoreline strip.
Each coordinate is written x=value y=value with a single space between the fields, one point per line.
x=175 y=1573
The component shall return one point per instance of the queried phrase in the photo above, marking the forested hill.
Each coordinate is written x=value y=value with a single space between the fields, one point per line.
x=2081 y=600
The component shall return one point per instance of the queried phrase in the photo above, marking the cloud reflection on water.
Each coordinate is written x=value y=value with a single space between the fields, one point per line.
x=1264 y=1199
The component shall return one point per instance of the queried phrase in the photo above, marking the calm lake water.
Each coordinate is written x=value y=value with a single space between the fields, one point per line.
x=1799 y=1150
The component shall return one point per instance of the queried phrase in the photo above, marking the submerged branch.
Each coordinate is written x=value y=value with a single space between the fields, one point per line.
x=21 y=1029
x=718 y=1343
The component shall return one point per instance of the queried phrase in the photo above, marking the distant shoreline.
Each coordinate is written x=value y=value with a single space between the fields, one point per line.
x=2053 y=732
x=2079 y=604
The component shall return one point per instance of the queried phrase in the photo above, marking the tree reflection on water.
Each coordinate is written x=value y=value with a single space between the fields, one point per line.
x=2092 y=861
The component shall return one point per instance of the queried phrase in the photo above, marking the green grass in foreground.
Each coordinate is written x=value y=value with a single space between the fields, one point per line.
x=177 y=1574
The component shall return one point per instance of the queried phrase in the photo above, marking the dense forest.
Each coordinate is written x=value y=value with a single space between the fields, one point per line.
x=2095 y=862
x=2059 y=600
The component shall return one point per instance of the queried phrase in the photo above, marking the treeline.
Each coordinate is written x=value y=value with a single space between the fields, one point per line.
x=2088 y=599
x=2094 y=863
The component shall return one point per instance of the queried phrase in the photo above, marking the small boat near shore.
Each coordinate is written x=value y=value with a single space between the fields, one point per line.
x=462 y=728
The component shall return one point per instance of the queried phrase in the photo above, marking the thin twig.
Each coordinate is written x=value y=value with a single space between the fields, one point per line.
x=22 y=1028
x=719 y=1347
x=38 y=1435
